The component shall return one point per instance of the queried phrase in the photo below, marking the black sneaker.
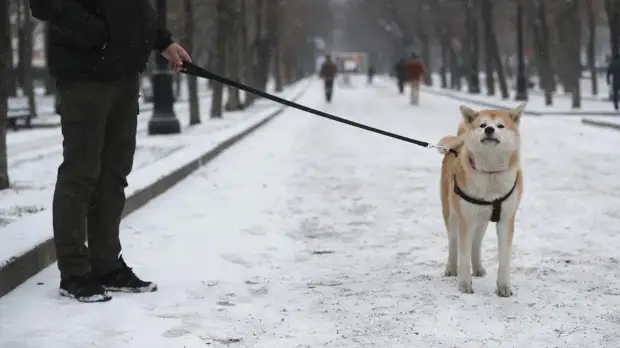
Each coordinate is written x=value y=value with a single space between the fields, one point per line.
x=124 y=280
x=84 y=289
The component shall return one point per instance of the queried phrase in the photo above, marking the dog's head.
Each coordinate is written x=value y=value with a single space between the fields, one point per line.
x=492 y=131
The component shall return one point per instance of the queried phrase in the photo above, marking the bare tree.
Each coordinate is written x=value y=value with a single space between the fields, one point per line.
x=192 y=81
x=223 y=9
x=591 y=49
x=25 y=33
x=5 y=65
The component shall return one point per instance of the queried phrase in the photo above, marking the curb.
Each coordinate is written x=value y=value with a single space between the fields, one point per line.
x=21 y=268
x=601 y=124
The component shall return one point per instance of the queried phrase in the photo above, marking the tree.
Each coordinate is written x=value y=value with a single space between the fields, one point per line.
x=223 y=10
x=5 y=66
x=192 y=81
x=25 y=32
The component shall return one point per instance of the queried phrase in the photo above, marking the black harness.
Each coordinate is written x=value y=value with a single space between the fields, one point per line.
x=496 y=211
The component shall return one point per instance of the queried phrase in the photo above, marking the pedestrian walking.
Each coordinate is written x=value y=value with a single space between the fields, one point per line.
x=613 y=74
x=328 y=73
x=98 y=49
x=415 y=72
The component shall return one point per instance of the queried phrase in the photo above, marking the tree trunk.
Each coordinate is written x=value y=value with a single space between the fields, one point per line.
x=613 y=20
x=192 y=81
x=5 y=64
x=489 y=35
x=277 y=48
x=25 y=59
x=445 y=59
x=234 y=48
x=220 y=60
x=473 y=46
x=592 y=45
x=233 y=102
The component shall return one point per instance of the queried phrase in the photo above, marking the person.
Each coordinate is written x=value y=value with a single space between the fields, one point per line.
x=328 y=73
x=98 y=49
x=415 y=71
x=400 y=69
x=613 y=73
x=371 y=73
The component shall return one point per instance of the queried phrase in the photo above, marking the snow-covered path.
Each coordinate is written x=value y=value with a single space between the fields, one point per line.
x=315 y=234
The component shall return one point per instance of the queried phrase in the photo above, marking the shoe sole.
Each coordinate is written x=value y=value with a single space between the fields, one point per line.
x=149 y=288
x=105 y=297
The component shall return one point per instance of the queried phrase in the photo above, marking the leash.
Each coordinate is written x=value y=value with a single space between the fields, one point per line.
x=192 y=69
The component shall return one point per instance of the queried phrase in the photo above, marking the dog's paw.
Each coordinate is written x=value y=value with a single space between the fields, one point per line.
x=479 y=272
x=450 y=272
x=466 y=288
x=503 y=290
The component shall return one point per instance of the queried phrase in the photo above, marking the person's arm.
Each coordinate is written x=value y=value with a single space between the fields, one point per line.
x=75 y=23
x=163 y=38
x=609 y=71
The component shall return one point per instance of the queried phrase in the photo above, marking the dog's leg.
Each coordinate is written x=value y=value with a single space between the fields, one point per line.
x=505 y=232
x=466 y=236
x=452 y=224
x=476 y=263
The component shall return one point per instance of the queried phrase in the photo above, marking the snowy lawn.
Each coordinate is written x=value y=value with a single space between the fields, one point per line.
x=34 y=156
x=315 y=234
x=536 y=102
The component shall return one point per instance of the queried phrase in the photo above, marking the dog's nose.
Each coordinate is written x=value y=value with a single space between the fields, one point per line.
x=489 y=131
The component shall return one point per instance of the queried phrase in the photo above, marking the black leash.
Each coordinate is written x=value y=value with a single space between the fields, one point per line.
x=192 y=69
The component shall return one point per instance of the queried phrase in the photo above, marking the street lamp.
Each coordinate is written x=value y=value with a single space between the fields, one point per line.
x=164 y=120
x=521 y=94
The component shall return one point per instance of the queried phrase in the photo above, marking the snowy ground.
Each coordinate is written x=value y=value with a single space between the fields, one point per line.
x=315 y=234
x=34 y=156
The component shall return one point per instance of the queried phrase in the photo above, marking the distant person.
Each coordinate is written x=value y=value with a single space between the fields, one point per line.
x=415 y=72
x=400 y=70
x=613 y=72
x=371 y=73
x=328 y=72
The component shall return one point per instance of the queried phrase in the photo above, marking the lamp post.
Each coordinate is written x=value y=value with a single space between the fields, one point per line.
x=521 y=80
x=164 y=120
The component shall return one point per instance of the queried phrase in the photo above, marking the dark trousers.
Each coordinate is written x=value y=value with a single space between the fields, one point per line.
x=401 y=85
x=98 y=122
x=329 y=88
x=614 y=96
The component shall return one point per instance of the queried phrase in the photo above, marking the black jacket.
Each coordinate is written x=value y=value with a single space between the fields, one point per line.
x=99 y=39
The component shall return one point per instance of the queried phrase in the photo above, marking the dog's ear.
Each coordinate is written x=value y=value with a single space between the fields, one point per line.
x=468 y=114
x=515 y=113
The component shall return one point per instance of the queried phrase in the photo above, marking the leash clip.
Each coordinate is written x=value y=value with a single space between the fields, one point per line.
x=441 y=149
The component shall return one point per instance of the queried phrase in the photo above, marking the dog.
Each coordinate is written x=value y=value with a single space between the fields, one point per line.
x=481 y=181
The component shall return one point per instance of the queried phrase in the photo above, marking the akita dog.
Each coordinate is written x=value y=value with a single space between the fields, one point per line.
x=481 y=181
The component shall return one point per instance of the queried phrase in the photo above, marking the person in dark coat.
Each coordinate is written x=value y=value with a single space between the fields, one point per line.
x=328 y=72
x=98 y=49
x=371 y=73
x=613 y=73
x=400 y=68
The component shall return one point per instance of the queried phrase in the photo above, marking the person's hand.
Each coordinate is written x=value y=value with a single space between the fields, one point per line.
x=176 y=55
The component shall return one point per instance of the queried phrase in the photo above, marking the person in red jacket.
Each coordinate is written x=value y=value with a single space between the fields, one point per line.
x=415 y=70
x=328 y=72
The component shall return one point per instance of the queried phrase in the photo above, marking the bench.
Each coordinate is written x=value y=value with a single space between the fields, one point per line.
x=15 y=114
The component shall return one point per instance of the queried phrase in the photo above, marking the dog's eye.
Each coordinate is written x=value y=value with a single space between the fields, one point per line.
x=484 y=125
x=500 y=126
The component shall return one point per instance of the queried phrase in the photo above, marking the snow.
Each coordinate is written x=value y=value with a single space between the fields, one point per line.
x=314 y=234
x=562 y=104
x=34 y=178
